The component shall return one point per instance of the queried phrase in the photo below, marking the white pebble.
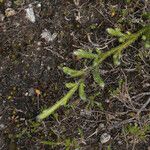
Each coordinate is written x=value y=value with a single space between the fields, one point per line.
x=39 y=5
x=105 y=137
x=30 y=14
x=48 y=36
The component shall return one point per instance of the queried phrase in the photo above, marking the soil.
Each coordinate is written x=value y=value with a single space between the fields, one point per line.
x=31 y=78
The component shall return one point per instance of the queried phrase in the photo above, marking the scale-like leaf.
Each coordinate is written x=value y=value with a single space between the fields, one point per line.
x=116 y=58
x=82 y=91
x=58 y=104
x=99 y=52
x=70 y=85
x=97 y=77
x=84 y=54
x=124 y=38
x=115 y=32
x=95 y=62
x=72 y=72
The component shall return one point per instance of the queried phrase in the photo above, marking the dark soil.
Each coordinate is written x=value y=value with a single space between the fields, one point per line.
x=31 y=78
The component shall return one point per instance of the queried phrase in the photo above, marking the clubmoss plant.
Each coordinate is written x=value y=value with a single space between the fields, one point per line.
x=97 y=59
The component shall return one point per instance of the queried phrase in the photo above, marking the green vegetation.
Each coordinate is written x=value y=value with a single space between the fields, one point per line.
x=67 y=143
x=97 y=59
x=137 y=132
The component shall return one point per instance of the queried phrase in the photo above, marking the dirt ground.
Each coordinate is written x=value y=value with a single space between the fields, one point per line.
x=31 y=78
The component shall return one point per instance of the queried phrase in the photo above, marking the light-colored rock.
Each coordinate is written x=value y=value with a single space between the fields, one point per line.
x=30 y=14
x=38 y=5
x=105 y=137
x=48 y=36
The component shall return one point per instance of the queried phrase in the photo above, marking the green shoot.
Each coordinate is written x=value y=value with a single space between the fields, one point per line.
x=98 y=58
x=82 y=91
x=70 y=85
x=97 y=78
x=72 y=72
x=58 y=104
x=84 y=54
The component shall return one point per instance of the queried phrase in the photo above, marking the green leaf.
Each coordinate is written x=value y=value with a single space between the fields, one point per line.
x=70 y=85
x=115 y=32
x=116 y=58
x=82 y=91
x=95 y=62
x=72 y=72
x=99 y=52
x=147 y=35
x=147 y=44
x=97 y=77
x=124 y=38
x=144 y=38
x=84 y=54
x=57 y=105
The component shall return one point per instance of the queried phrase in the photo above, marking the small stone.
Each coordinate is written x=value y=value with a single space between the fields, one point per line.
x=38 y=5
x=105 y=137
x=30 y=14
x=48 y=36
x=10 y=12
x=39 y=43
x=48 y=68
x=2 y=126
